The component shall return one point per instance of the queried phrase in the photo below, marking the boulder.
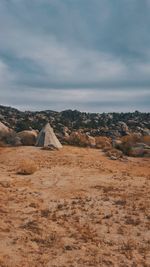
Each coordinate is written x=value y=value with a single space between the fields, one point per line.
x=123 y=127
x=91 y=141
x=7 y=135
x=28 y=138
x=66 y=131
x=16 y=141
x=4 y=131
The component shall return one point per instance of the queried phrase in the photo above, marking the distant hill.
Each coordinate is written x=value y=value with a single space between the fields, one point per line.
x=108 y=124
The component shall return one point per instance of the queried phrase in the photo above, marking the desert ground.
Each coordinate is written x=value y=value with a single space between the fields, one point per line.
x=78 y=209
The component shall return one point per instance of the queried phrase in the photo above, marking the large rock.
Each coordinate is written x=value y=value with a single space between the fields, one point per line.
x=4 y=131
x=123 y=127
x=8 y=136
x=66 y=131
x=91 y=141
x=28 y=138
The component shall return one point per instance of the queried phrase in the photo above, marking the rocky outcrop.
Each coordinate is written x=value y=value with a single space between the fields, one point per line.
x=65 y=122
x=80 y=128
x=4 y=131
x=7 y=135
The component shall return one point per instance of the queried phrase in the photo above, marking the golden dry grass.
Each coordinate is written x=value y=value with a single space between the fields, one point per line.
x=26 y=167
x=81 y=209
x=130 y=141
x=146 y=140
x=114 y=152
x=79 y=139
x=103 y=142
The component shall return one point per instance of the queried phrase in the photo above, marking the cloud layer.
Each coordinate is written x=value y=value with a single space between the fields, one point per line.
x=89 y=55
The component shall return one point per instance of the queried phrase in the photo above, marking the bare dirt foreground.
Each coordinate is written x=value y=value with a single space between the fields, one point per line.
x=78 y=209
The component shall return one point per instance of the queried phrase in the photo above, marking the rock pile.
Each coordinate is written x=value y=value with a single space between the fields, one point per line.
x=104 y=130
x=65 y=122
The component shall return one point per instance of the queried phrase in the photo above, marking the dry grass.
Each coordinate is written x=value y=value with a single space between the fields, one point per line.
x=81 y=209
x=130 y=141
x=103 y=142
x=146 y=139
x=27 y=167
x=114 y=152
x=81 y=139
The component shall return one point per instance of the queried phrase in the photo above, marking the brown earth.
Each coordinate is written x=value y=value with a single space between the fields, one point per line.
x=78 y=209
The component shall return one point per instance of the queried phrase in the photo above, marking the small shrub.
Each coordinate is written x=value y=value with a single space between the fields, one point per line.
x=146 y=140
x=129 y=142
x=131 y=139
x=133 y=145
x=114 y=152
x=81 y=139
x=27 y=167
x=107 y=148
x=103 y=142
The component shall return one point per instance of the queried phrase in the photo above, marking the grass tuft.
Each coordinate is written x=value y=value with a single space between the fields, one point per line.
x=27 y=167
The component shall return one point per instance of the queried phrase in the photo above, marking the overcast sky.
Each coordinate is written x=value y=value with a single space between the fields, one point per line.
x=91 y=55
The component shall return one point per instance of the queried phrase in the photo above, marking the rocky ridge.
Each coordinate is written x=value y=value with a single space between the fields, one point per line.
x=115 y=133
x=65 y=122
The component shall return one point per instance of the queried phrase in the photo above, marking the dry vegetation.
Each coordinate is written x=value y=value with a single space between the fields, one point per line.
x=115 y=153
x=84 y=140
x=80 y=139
x=27 y=167
x=130 y=142
x=146 y=140
x=103 y=142
x=78 y=209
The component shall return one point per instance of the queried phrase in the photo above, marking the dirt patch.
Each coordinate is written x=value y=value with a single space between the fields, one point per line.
x=78 y=209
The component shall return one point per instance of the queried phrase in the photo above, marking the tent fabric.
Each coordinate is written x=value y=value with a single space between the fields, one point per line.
x=47 y=138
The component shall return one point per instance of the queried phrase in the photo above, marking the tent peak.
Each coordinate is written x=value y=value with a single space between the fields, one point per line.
x=47 y=137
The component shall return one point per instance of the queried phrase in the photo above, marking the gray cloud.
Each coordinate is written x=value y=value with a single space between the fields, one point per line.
x=82 y=99
x=69 y=49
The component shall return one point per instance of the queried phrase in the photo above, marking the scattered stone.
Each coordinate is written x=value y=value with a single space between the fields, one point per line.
x=113 y=158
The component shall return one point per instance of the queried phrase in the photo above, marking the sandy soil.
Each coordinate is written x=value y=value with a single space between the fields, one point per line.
x=78 y=209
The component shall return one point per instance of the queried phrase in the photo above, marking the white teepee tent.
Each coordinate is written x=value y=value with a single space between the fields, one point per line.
x=47 y=138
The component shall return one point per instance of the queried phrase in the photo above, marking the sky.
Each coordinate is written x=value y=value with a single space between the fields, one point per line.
x=90 y=55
